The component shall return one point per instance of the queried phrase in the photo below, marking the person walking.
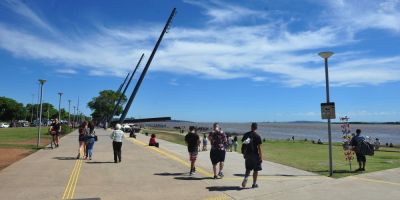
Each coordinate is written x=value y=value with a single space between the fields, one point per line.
x=90 y=140
x=205 y=141
x=117 y=136
x=252 y=154
x=235 y=143
x=81 y=138
x=193 y=141
x=356 y=143
x=217 y=153
x=56 y=131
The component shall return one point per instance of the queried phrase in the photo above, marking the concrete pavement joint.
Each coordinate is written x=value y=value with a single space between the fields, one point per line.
x=375 y=181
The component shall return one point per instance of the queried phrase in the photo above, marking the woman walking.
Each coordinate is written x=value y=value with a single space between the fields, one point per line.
x=82 y=136
x=117 y=135
x=90 y=140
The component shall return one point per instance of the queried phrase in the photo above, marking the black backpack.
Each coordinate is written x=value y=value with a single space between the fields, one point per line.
x=246 y=148
x=365 y=148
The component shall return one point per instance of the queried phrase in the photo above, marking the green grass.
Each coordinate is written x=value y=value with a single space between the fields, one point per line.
x=166 y=135
x=314 y=157
x=24 y=137
x=308 y=156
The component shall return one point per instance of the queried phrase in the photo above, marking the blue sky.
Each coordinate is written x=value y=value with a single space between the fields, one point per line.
x=229 y=61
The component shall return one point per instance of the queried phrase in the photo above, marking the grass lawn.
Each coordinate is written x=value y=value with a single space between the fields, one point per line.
x=314 y=157
x=171 y=136
x=308 y=156
x=23 y=137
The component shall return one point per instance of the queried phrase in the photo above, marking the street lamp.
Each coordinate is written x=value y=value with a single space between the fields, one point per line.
x=41 y=81
x=69 y=112
x=59 y=106
x=325 y=56
x=73 y=119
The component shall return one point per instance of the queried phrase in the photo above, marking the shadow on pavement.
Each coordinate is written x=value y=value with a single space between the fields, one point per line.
x=65 y=158
x=284 y=175
x=170 y=174
x=224 y=188
x=190 y=178
x=99 y=162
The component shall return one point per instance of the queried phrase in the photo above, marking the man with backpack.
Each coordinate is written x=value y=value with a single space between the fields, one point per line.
x=251 y=149
x=356 y=142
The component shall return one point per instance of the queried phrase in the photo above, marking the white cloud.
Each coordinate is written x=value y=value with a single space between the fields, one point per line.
x=24 y=11
x=224 y=12
x=66 y=71
x=358 y=15
x=262 y=52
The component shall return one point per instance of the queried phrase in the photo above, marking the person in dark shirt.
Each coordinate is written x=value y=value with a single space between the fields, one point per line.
x=355 y=142
x=252 y=155
x=56 y=129
x=217 y=153
x=192 y=140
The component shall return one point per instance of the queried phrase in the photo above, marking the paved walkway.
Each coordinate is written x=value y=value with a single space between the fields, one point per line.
x=162 y=173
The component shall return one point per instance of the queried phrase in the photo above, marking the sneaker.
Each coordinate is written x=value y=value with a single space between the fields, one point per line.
x=221 y=174
x=190 y=173
x=215 y=176
x=362 y=169
x=194 y=169
x=90 y=158
x=244 y=182
x=255 y=185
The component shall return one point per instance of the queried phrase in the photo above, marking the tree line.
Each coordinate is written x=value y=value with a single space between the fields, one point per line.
x=11 y=110
x=102 y=107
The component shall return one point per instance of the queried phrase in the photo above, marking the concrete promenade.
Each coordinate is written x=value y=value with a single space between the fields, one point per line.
x=163 y=173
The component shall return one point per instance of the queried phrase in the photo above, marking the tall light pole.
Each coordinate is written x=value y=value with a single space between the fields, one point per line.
x=33 y=96
x=73 y=118
x=59 y=106
x=69 y=112
x=325 y=56
x=41 y=81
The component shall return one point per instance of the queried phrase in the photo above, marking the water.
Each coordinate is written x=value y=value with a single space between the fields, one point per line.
x=312 y=131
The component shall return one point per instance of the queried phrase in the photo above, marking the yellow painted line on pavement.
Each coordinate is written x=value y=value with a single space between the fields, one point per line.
x=376 y=181
x=173 y=157
x=73 y=179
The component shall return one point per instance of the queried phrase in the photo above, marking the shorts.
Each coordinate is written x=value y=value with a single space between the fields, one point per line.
x=253 y=162
x=193 y=156
x=361 y=158
x=217 y=156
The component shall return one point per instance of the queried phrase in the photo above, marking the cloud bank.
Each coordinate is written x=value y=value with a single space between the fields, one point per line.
x=223 y=48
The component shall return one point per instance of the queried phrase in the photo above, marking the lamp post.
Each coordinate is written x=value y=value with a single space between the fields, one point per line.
x=33 y=96
x=73 y=119
x=69 y=112
x=59 y=106
x=325 y=56
x=41 y=81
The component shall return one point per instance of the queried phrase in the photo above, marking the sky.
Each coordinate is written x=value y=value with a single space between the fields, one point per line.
x=225 y=61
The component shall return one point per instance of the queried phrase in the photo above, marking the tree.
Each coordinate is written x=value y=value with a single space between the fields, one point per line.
x=48 y=111
x=11 y=109
x=103 y=105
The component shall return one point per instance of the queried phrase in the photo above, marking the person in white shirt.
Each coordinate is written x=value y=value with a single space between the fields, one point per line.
x=117 y=135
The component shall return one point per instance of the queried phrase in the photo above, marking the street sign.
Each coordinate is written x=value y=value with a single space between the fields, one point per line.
x=328 y=110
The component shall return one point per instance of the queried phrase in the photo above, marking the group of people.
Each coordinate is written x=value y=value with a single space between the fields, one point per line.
x=219 y=143
x=87 y=138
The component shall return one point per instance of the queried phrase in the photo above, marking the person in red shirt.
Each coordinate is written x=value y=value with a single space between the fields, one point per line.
x=153 y=141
